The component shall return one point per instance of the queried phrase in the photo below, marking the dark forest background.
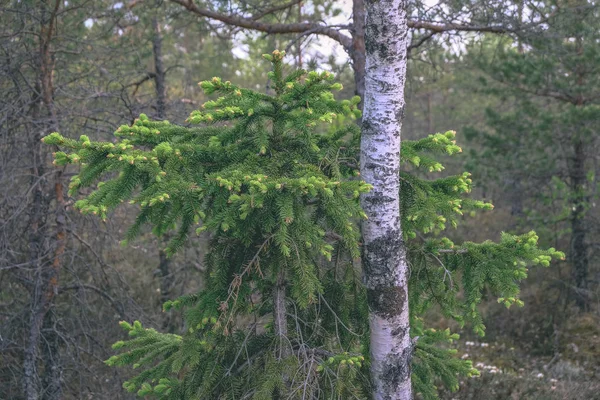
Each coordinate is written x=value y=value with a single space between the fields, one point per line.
x=521 y=87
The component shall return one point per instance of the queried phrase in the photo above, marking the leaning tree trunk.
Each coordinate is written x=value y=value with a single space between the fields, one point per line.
x=384 y=253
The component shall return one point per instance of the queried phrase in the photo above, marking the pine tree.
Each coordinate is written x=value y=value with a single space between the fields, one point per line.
x=274 y=180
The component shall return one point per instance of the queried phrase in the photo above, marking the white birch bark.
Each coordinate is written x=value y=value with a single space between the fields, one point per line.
x=384 y=255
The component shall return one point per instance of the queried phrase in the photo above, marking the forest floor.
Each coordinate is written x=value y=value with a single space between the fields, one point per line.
x=510 y=370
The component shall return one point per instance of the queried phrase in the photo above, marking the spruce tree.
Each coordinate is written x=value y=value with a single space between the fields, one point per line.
x=274 y=180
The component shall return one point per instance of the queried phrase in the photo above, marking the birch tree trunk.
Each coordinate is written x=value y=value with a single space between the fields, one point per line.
x=384 y=253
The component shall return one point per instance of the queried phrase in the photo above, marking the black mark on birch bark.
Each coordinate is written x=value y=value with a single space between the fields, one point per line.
x=396 y=368
x=387 y=302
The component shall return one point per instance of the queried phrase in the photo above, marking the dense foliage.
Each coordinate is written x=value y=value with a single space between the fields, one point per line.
x=284 y=313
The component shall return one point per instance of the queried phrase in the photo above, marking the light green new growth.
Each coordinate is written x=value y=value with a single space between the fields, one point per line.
x=277 y=189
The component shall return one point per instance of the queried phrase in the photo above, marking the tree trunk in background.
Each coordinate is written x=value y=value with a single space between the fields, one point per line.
x=514 y=185
x=52 y=369
x=51 y=380
x=357 y=52
x=300 y=63
x=384 y=254
x=48 y=261
x=38 y=211
x=159 y=71
x=164 y=263
x=577 y=177
x=578 y=248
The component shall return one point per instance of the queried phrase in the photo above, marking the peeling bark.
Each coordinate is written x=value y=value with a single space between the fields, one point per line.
x=384 y=253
